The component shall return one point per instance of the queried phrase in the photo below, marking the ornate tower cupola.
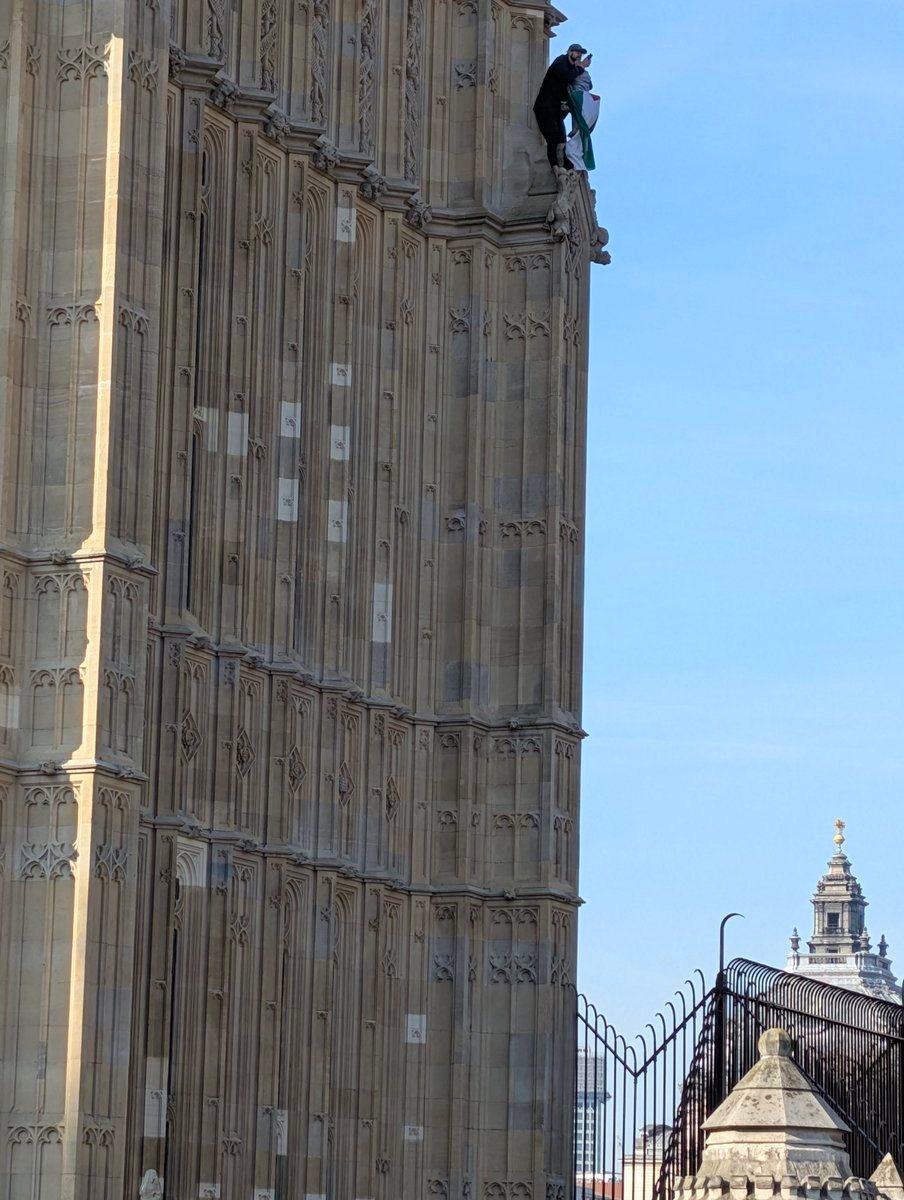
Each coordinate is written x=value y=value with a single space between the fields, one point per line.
x=839 y=909
x=840 y=947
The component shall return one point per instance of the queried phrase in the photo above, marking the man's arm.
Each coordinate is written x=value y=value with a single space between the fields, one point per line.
x=564 y=71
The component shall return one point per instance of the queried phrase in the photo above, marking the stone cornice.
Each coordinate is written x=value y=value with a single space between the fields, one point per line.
x=541 y=9
x=51 y=769
x=350 y=691
x=201 y=73
x=296 y=856
x=64 y=558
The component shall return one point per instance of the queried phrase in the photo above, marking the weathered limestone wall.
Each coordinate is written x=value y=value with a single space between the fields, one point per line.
x=292 y=398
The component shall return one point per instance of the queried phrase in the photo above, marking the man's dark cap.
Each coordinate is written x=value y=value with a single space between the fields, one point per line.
x=577 y=46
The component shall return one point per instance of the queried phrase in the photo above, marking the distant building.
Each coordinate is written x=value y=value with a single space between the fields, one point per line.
x=591 y=1097
x=642 y=1167
x=840 y=949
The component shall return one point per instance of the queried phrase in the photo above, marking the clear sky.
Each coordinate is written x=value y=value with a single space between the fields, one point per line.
x=745 y=583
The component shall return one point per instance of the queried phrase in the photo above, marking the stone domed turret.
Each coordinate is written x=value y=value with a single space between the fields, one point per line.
x=840 y=949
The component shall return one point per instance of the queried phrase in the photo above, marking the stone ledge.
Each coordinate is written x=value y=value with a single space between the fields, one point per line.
x=707 y=1187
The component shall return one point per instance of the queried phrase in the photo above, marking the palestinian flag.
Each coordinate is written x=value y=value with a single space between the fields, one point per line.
x=585 y=111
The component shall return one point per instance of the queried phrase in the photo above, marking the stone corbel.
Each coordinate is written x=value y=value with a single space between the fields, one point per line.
x=177 y=60
x=325 y=155
x=598 y=243
x=418 y=213
x=551 y=18
x=277 y=124
x=223 y=92
x=559 y=218
x=373 y=185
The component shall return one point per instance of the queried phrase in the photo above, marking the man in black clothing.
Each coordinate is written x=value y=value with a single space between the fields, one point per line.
x=552 y=101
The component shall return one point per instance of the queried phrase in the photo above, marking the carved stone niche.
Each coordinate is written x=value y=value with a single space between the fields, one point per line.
x=191 y=862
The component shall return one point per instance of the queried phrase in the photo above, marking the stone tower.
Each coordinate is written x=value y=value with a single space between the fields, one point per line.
x=293 y=343
x=840 y=949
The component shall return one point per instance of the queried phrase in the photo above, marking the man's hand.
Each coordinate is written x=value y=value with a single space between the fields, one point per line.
x=586 y=62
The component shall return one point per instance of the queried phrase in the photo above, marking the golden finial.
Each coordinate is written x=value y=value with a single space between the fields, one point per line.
x=839 y=833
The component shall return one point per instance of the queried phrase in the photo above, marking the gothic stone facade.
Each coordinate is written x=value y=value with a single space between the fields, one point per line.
x=292 y=400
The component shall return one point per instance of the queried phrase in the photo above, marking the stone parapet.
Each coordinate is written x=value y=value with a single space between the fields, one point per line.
x=762 y=1187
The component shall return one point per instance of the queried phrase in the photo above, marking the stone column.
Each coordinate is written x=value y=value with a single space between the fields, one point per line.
x=82 y=104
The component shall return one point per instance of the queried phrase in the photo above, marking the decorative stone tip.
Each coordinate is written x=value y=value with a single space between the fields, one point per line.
x=775 y=1043
x=838 y=839
x=888 y=1179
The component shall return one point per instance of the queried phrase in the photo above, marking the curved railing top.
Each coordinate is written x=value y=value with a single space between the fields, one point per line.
x=812 y=997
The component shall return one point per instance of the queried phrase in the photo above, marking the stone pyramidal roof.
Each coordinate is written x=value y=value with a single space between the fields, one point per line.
x=887 y=1179
x=776 y=1138
x=775 y=1122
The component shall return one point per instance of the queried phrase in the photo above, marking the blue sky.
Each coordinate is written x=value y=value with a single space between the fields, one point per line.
x=745 y=585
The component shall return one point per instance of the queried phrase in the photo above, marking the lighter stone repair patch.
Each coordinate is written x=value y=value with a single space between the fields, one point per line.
x=416 y=1028
x=287 y=502
x=9 y=711
x=237 y=434
x=155 y=1097
x=414 y=1133
x=281 y=1123
x=340 y=439
x=346 y=224
x=382 y=622
x=290 y=419
x=341 y=374
x=210 y=418
x=337 y=517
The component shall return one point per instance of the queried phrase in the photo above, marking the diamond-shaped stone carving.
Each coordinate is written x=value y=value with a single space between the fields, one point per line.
x=345 y=784
x=295 y=769
x=393 y=799
x=244 y=754
x=190 y=737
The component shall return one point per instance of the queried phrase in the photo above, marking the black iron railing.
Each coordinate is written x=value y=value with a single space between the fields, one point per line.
x=850 y=1046
x=641 y=1103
